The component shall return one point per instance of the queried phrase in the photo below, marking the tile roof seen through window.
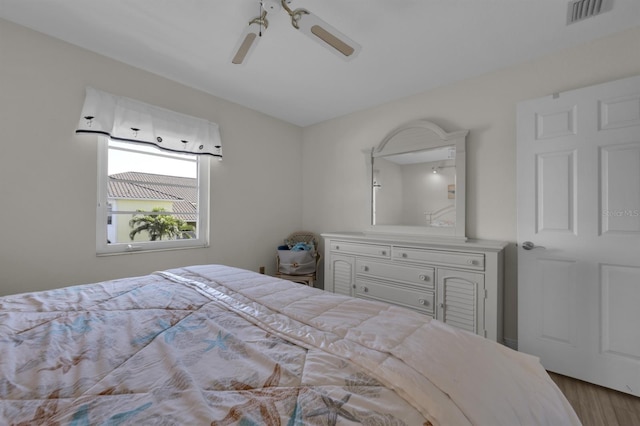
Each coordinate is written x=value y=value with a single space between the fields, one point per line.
x=147 y=186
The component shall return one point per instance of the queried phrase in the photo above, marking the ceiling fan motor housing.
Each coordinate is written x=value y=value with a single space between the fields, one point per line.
x=273 y=5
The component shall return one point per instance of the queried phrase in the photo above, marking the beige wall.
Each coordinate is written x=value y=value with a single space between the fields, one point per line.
x=336 y=188
x=48 y=174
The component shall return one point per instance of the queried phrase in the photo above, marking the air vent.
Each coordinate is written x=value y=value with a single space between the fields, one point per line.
x=579 y=10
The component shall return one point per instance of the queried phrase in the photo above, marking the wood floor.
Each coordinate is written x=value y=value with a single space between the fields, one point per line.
x=598 y=406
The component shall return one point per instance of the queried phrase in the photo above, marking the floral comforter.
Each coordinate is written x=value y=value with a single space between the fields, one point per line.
x=214 y=345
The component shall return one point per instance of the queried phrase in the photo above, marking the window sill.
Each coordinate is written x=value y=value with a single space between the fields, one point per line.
x=148 y=250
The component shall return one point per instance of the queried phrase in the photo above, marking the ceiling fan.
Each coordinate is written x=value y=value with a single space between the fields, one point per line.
x=301 y=19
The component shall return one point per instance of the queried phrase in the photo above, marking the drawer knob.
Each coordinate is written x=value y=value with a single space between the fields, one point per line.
x=365 y=289
x=365 y=268
x=472 y=262
x=383 y=252
x=337 y=247
x=424 y=278
x=405 y=255
x=423 y=302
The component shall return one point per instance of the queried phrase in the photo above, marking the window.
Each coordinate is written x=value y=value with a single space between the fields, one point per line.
x=153 y=174
x=150 y=199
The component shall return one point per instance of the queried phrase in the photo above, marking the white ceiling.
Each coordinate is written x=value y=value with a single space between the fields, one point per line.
x=408 y=46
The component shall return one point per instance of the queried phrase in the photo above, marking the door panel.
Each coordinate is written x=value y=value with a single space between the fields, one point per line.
x=556 y=122
x=556 y=207
x=620 y=188
x=623 y=111
x=558 y=293
x=620 y=296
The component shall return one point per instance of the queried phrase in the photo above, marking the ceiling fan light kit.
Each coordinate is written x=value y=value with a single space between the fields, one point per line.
x=301 y=19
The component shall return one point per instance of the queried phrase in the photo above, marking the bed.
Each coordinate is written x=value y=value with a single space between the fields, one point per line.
x=216 y=345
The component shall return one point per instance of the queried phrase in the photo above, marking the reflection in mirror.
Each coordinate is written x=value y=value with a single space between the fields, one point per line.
x=415 y=188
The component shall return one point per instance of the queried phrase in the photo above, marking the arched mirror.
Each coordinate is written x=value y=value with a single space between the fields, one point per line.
x=417 y=180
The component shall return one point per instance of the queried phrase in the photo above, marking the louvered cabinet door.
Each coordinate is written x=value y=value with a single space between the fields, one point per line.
x=342 y=274
x=461 y=296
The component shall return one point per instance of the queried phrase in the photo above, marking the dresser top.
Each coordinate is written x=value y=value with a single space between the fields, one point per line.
x=418 y=240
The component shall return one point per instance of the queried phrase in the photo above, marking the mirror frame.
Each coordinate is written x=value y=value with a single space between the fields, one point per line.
x=420 y=135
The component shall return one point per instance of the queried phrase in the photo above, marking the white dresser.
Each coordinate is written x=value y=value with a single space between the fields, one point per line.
x=460 y=283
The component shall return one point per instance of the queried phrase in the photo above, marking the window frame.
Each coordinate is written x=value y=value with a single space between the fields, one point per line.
x=102 y=211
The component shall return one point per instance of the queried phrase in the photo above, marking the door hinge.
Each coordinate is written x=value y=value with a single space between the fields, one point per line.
x=486 y=294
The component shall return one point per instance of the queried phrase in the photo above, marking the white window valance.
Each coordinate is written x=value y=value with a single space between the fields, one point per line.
x=129 y=120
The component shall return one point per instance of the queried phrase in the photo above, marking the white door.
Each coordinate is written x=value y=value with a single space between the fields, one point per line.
x=578 y=166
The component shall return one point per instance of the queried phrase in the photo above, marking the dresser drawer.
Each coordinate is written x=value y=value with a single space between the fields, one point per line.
x=422 y=276
x=441 y=258
x=375 y=250
x=422 y=301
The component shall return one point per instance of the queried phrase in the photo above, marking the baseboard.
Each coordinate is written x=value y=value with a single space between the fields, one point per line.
x=511 y=343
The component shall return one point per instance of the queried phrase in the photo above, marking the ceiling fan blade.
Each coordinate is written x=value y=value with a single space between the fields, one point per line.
x=328 y=36
x=246 y=45
x=249 y=39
